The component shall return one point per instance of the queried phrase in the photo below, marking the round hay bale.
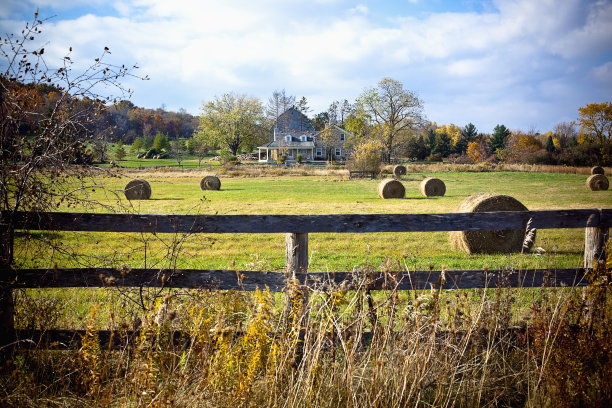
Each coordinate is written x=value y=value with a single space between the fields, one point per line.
x=137 y=189
x=210 y=183
x=597 y=182
x=488 y=242
x=597 y=170
x=432 y=187
x=391 y=188
x=399 y=170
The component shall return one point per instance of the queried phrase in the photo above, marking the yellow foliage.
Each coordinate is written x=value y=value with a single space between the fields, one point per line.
x=366 y=157
x=452 y=131
x=528 y=142
x=473 y=152
x=595 y=122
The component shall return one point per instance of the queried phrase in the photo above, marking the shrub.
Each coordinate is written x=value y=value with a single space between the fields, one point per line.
x=366 y=157
x=299 y=158
x=282 y=159
x=434 y=157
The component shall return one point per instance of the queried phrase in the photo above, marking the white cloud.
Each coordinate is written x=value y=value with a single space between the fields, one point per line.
x=331 y=50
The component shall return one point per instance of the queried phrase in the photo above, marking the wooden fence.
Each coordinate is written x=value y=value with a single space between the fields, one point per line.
x=296 y=228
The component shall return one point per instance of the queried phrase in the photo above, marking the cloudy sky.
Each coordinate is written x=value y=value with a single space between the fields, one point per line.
x=525 y=64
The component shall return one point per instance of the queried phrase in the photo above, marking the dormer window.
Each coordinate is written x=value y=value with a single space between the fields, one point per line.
x=303 y=138
x=288 y=138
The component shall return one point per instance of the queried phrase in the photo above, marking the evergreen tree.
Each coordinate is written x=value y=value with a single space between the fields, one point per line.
x=468 y=134
x=443 y=145
x=431 y=140
x=499 y=138
x=550 y=144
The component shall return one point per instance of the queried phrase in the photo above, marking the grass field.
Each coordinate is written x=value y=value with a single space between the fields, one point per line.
x=179 y=193
x=561 y=358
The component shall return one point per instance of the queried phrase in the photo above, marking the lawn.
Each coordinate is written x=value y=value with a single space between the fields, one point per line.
x=176 y=192
x=179 y=193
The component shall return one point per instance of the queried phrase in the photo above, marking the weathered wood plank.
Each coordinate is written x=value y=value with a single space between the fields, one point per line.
x=276 y=282
x=595 y=245
x=355 y=223
x=296 y=254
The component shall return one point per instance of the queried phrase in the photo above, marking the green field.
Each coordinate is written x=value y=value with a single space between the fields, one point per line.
x=477 y=355
x=179 y=193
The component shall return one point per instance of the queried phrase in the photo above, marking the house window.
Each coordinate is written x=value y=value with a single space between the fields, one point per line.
x=303 y=138
x=319 y=152
x=342 y=137
x=338 y=151
x=288 y=138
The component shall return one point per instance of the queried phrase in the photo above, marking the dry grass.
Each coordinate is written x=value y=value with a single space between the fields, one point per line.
x=341 y=173
x=337 y=347
x=242 y=171
x=484 y=167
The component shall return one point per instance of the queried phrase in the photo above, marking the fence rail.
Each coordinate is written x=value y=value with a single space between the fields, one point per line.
x=340 y=223
x=296 y=227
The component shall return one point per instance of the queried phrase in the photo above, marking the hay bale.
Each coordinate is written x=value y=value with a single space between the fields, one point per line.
x=432 y=187
x=210 y=183
x=399 y=170
x=597 y=170
x=488 y=242
x=597 y=182
x=391 y=188
x=137 y=189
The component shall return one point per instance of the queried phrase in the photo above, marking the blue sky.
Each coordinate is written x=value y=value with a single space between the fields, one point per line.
x=525 y=64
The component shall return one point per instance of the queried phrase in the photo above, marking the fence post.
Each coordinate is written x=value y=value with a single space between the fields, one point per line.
x=296 y=254
x=7 y=327
x=595 y=239
x=296 y=261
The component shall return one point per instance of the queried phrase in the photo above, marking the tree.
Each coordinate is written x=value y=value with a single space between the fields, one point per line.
x=119 y=151
x=443 y=144
x=161 y=142
x=468 y=134
x=232 y=121
x=566 y=133
x=332 y=112
x=178 y=147
x=344 y=110
x=278 y=103
x=139 y=144
x=550 y=145
x=359 y=126
x=595 y=121
x=302 y=106
x=46 y=118
x=320 y=121
x=392 y=109
x=499 y=138
x=366 y=157
x=200 y=146
x=416 y=148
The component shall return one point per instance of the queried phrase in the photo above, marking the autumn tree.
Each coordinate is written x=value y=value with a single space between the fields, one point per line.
x=366 y=157
x=391 y=109
x=231 y=121
x=595 y=121
x=42 y=135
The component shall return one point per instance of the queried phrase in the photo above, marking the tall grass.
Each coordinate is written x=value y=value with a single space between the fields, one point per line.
x=336 y=346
